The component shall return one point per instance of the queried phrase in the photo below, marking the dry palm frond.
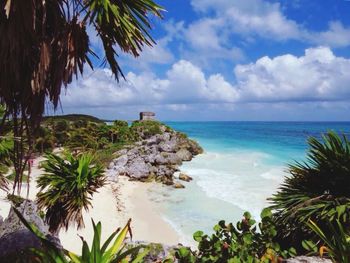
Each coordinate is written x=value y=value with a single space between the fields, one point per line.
x=44 y=44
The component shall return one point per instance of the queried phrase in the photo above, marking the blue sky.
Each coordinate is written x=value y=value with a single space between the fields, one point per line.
x=231 y=60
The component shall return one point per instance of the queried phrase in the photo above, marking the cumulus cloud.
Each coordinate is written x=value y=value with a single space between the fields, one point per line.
x=267 y=20
x=317 y=76
x=316 y=81
x=185 y=83
x=337 y=35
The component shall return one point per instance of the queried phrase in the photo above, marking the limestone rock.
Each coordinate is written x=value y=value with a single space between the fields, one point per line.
x=15 y=238
x=138 y=169
x=168 y=146
x=158 y=156
x=304 y=259
x=185 y=177
x=184 y=155
x=121 y=152
x=29 y=211
x=178 y=186
x=120 y=162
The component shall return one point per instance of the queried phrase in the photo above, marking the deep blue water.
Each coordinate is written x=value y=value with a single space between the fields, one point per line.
x=283 y=140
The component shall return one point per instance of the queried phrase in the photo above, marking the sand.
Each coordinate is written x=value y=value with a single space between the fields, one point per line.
x=113 y=205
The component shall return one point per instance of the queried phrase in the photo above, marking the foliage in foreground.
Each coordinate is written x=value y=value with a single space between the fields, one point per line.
x=335 y=245
x=6 y=147
x=113 y=250
x=243 y=243
x=318 y=189
x=45 y=44
x=66 y=188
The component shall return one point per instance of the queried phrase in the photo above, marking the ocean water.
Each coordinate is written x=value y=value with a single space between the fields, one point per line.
x=243 y=164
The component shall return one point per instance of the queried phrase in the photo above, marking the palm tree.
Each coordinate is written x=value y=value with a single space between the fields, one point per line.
x=44 y=139
x=66 y=188
x=44 y=44
x=317 y=190
x=6 y=147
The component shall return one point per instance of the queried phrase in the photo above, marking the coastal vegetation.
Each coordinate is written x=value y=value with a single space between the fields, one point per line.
x=308 y=215
x=66 y=188
x=45 y=44
x=112 y=250
x=317 y=190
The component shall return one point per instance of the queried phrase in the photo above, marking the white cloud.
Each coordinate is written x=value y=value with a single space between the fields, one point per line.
x=251 y=17
x=317 y=76
x=265 y=19
x=337 y=35
x=185 y=84
x=285 y=86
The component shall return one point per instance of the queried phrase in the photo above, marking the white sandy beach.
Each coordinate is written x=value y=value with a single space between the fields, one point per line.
x=113 y=205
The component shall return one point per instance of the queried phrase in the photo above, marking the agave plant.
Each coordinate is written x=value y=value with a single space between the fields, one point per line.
x=66 y=188
x=113 y=250
x=318 y=189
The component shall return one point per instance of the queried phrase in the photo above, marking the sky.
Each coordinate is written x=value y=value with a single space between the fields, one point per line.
x=229 y=60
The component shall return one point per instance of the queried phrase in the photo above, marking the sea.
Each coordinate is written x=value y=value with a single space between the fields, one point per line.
x=243 y=164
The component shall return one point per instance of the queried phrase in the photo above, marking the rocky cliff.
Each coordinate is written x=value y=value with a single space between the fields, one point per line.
x=155 y=157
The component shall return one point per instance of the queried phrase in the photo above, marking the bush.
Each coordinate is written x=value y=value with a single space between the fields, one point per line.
x=242 y=243
x=119 y=123
x=61 y=126
x=147 y=129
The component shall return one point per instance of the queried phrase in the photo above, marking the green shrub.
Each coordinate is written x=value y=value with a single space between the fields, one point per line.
x=61 y=125
x=119 y=123
x=242 y=243
x=146 y=129
x=318 y=189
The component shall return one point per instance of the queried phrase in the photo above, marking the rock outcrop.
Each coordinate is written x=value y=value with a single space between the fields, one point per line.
x=15 y=238
x=155 y=157
x=304 y=259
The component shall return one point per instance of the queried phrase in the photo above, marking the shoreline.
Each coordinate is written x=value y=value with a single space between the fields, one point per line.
x=112 y=205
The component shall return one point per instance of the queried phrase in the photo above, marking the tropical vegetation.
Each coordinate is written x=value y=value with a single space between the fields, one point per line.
x=336 y=245
x=248 y=241
x=45 y=44
x=6 y=148
x=317 y=190
x=113 y=250
x=66 y=188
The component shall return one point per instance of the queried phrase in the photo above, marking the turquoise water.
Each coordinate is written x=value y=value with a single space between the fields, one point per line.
x=243 y=164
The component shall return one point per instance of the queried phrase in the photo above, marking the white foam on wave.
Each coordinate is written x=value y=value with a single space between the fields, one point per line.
x=185 y=239
x=240 y=178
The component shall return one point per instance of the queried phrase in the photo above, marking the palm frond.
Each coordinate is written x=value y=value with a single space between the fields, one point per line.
x=66 y=188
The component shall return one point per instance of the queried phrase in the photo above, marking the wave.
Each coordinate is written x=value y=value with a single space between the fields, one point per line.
x=242 y=178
